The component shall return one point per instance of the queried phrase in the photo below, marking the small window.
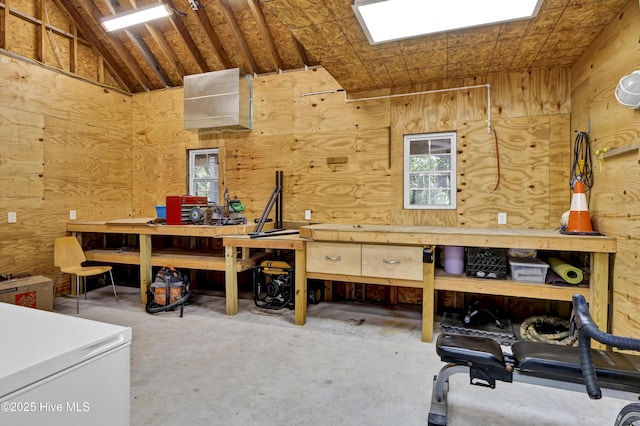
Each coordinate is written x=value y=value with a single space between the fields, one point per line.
x=430 y=171
x=203 y=173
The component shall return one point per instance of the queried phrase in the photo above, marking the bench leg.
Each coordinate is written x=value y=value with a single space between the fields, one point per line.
x=438 y=410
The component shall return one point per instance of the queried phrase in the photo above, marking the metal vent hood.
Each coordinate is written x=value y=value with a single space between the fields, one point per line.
x=218 y=101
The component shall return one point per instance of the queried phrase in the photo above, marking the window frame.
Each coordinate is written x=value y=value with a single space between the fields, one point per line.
x=451 y=172
x=192 y=180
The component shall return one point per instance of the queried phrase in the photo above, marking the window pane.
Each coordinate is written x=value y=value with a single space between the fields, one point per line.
x=440 y=146
x=203 y=173
x=430 y=180
x=440 y=197
x=202 y=189
x=419 y=147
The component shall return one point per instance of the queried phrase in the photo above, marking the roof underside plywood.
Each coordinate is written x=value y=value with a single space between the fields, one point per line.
x=270 y=36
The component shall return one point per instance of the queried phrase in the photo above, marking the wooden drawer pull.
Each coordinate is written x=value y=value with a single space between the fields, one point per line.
x=333 y=259
x=391 y=262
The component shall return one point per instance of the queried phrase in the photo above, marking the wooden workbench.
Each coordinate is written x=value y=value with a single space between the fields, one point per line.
x=599 y=248
x=231 y=245
x=146 y=257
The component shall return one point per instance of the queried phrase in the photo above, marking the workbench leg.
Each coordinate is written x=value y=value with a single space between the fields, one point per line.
x=145 y=266
x=301 y=286
x=231 y=280
x=328 y=290
x=246 y=253
x=428 y=273
x=599 y=292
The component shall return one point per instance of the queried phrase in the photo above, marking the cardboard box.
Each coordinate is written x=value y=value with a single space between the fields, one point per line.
x=32 y=292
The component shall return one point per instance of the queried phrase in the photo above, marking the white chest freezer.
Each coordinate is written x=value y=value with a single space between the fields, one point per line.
x=62 y=370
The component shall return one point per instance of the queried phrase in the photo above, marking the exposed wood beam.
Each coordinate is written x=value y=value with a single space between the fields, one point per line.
x=237 y=33
x=122 y=79
x=148 y=55
x=167 y=51
x=268 y=37
x=4 y=24
x=179 y=26
x=73 y=40
x=73 y=50
x=100 y=69
x=206 y=26
x=300 y=49
x=116 y=44
x=141 y=45
x=42 y=33
x=31 y=19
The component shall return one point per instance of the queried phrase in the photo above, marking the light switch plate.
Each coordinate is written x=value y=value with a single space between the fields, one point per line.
x=307 y=215
x=12 y=217
x=72 y=215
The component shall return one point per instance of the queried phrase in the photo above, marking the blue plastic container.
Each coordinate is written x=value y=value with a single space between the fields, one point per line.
x=161 y=211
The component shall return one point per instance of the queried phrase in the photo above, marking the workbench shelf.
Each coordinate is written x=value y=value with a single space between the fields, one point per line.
x=147 y=244
x=189 y=259
x=464 y=284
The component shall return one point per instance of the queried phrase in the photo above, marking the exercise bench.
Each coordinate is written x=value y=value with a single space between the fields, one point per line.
x=600 y=372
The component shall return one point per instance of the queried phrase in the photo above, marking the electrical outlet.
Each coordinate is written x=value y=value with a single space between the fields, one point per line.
x=12 y=217
x=72 y=215
x=307 y=215
x=502 y=218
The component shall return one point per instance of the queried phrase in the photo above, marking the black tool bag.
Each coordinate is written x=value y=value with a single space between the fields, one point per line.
x=169 y=290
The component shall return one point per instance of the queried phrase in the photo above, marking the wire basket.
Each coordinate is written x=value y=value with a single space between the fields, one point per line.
x=490 y=263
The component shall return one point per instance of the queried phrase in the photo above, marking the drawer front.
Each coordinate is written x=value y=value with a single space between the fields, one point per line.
x=334 y=258
x=399 y=262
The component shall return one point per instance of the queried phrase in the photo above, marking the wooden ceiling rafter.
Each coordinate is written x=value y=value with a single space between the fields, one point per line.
x=133 y=67
x=135 y=37
x=163 y=45
x=212 y=38
x=239 y=37
x=266 y=33
x=187 y=39
x=168 y=52
x=118 y=74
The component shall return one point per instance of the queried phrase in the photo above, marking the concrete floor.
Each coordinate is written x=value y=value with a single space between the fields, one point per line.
x=351 y=364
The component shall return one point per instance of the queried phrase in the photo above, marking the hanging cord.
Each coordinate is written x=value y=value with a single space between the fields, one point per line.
x=495 y=135
x=581 y=167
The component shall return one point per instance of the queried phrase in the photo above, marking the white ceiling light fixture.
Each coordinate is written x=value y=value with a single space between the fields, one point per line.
x=387 y=20
x=138 y=16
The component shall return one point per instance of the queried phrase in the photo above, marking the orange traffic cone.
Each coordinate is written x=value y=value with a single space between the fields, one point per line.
x=579 y=220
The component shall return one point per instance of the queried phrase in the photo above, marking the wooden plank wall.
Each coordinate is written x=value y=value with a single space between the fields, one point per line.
x=298 y=132
x=615 y=198
x=64 y=144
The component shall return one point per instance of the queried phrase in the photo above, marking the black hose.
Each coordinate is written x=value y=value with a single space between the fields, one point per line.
x=160 y=308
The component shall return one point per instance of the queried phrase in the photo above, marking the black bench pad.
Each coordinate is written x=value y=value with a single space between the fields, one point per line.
x=465 y=350
x=614 y=369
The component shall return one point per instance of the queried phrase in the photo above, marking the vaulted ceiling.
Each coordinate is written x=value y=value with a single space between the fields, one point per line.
x=270 y=36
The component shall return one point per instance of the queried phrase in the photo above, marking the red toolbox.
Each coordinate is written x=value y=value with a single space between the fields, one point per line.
x=179 y=206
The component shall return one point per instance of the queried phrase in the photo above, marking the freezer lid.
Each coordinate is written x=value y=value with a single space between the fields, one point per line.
x=36 y=344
